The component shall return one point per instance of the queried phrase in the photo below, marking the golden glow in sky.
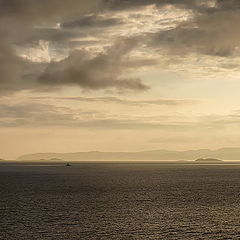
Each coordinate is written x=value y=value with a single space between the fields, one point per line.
x=118 y=75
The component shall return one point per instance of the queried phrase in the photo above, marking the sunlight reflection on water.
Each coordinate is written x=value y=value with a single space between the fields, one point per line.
x=119 y=201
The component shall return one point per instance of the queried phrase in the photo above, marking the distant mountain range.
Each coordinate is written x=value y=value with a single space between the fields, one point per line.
x=223 y=153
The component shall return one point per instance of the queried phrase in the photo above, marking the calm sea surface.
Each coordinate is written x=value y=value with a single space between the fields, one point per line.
x=119 y=201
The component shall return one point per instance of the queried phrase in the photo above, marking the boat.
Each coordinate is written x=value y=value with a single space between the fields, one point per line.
x=68 y=165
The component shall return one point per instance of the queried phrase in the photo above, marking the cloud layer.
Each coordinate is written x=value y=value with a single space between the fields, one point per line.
x=210 y=29
x=101 y=71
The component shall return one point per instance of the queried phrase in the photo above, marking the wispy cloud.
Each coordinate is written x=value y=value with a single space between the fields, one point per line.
x=168 y=102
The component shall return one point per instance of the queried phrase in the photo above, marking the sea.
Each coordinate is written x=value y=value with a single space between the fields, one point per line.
x=119 y=200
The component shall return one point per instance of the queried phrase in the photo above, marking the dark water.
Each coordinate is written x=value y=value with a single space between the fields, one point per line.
x=119 y=201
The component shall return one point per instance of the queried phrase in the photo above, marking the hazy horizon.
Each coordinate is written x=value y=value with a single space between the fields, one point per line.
x=157 y=154
x=116 y=151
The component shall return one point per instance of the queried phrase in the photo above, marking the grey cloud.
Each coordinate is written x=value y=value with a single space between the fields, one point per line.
x=53 y=34
x=184 y=40
x=228 y=4
x=137 y=63
x=17 y=22
x=18 y=74
x=75 y=44
x=211 y=31
x=45 y=10
x=131 y=4
x=103 y=71
x=92 y=22
x=18 y=26
x=126 y=4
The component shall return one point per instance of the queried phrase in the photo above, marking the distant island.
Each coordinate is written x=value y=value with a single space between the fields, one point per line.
x=154 y=155
x=208 y=160
x=1 y=159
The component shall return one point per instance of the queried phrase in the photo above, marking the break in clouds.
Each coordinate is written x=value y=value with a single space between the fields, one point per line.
x=102 y=44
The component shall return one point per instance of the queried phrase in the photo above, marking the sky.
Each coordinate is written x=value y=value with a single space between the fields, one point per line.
x=118 y=75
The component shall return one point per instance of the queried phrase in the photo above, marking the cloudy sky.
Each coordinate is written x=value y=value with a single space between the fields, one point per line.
x=118 y=75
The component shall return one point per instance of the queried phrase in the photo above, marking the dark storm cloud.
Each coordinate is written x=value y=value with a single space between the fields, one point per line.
x=103 y=71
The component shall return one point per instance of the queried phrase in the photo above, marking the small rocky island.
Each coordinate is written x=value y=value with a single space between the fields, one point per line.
x=55 y=159
x=208 y=160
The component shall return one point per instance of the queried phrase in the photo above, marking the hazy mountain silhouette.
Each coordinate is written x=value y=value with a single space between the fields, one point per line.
x=223 y=153
x=208 y=160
